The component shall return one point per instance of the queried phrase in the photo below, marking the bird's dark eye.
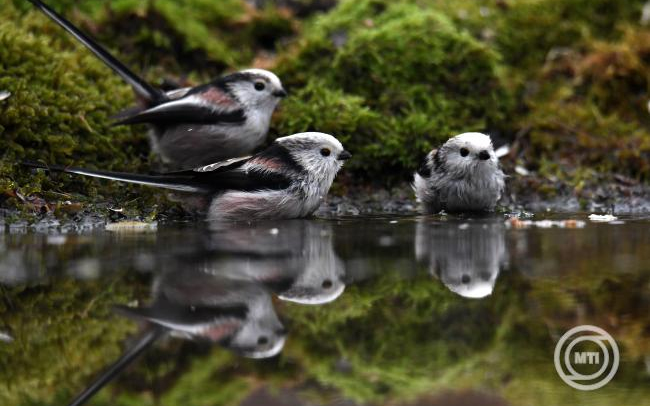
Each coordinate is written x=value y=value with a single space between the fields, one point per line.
x=464 y=152
x=259 y=86
x=262 y=340
x=325 y=152
x=326 y=284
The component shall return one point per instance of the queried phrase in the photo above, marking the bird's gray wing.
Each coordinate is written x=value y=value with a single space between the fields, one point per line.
x=271 y=169
x=228 y=163
x=201 y=105
x=177 y=316
x=245 y=179
x=177 y=93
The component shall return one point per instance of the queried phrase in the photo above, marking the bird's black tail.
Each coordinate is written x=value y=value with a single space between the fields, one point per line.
x=179 y=181
x=140 y=86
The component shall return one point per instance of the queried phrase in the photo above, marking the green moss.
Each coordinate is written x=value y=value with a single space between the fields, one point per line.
x=590 y=109
x=529 y=29
x=409 y=68
x=183 y=37
x=63 y=97
x=391 y=79
x=316 y=107
x=59 y=110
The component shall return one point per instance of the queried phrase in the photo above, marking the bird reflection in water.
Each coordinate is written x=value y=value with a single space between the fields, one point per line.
x=222 y=291
x=237 y=314
x=466 y=258
x=295 y=259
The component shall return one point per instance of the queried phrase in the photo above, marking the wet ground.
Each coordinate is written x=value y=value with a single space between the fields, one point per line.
x=335 y=311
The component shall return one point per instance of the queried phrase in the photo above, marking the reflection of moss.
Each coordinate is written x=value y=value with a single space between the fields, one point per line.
x=420 y=78
x=394 y=338
x=386 y=339
x=62 y=338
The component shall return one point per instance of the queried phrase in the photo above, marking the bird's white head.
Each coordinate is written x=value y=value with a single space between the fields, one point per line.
x=319 y=154
x=261 y=334
x=467 y=152
x=256 y=88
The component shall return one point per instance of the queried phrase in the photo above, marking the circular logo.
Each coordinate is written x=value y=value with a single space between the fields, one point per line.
x=592 y=351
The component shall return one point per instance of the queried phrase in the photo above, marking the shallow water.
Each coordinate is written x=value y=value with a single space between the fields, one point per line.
x=343 y=311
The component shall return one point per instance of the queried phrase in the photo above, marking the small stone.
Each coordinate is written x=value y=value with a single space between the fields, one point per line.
x=131 y=226
x=602 y=218
x=520 y=170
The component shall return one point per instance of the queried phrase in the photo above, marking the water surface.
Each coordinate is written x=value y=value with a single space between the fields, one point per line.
x=342 y=311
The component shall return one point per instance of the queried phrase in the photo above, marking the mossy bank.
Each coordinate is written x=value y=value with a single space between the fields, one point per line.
x=564 y=82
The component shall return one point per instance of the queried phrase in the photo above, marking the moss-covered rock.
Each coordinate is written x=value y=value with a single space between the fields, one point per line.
x=198 y=37
x=62 y=97
x=589 y=110
x=59 y=109
x=412 y=78
x=527 y=30
x=391 y=79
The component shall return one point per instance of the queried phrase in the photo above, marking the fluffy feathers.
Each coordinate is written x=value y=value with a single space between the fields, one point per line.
x=289 y=179
x=228 y=117
x=462 y=175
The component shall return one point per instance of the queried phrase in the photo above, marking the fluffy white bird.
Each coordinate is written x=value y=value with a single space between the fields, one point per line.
x=289 y=179
x=463 y=175
x=228 y=117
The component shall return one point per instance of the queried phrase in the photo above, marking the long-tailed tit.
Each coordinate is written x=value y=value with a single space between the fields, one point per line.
x=228 y=117
x=463 y=175
x=289 y=179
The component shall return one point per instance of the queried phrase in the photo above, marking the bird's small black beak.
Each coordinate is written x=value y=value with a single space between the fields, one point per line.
x=280 y=93
x=344 y=156
x=484 y=155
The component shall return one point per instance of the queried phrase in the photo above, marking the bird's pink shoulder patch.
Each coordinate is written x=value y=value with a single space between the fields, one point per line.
x=267 y=163
x=216 y=96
